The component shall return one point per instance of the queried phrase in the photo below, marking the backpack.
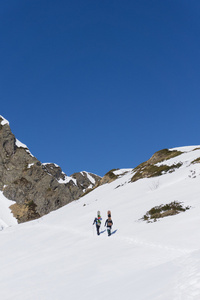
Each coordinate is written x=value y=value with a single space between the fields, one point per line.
x=109 y=222
x=99 y=220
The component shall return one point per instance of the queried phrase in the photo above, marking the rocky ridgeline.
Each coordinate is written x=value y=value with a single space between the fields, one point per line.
x=36 y=188
x=156 y=166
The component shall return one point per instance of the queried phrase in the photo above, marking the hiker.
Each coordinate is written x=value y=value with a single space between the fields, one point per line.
x=97 y=221
x=109 y=224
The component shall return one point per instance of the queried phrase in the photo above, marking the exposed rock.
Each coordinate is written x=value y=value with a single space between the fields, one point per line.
x=25 y=212
x=162 y=155
x=163 y=211
x=37 y=188
x=108 y=177
x=86 y=180
x=150 y=169
x=196 y=161
x=55 y=171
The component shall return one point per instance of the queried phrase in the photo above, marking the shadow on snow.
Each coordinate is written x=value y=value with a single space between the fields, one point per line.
x=114 y=231
x=101 y=232
x=111 y=232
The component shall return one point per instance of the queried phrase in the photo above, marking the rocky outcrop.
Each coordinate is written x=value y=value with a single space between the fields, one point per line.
x=108 y=177
x=162 y=155
x=86 y=180
x=37 y=188
x=150 y=169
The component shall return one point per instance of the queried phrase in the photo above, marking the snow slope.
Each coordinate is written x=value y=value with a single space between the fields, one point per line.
x=6 y=217
x=60 y=256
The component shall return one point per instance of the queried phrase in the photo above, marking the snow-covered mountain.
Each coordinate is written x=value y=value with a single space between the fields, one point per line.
x=59 y=256
x=37 y=188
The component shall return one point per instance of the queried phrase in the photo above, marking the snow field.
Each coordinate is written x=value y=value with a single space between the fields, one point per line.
x=60 y=256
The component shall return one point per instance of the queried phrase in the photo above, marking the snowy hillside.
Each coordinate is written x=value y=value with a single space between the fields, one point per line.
x=6 y=218
x=60 y=256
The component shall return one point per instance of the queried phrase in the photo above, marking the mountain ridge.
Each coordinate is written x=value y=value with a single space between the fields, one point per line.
x=37 y=188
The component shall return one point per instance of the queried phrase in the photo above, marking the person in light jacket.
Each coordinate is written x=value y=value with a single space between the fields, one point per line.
x=97 y=221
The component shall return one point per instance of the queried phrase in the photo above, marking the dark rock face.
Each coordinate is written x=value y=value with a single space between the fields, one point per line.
x=86 y=180
x=37 y=188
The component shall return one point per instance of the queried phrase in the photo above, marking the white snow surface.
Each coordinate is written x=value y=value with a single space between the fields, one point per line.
x=120 y=172
x=67 y=179
x=20 y=144
x=60 y=256
x=92 y=180
x=4 y=121
x=6 y=217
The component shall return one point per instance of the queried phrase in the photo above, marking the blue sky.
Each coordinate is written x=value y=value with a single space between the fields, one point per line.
x=97 y=85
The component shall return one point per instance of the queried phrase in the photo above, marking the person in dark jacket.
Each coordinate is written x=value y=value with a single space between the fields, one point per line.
x=97 y=221
x=109 y=224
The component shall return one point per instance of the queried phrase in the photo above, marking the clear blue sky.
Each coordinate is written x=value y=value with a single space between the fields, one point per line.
x=97 y=85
